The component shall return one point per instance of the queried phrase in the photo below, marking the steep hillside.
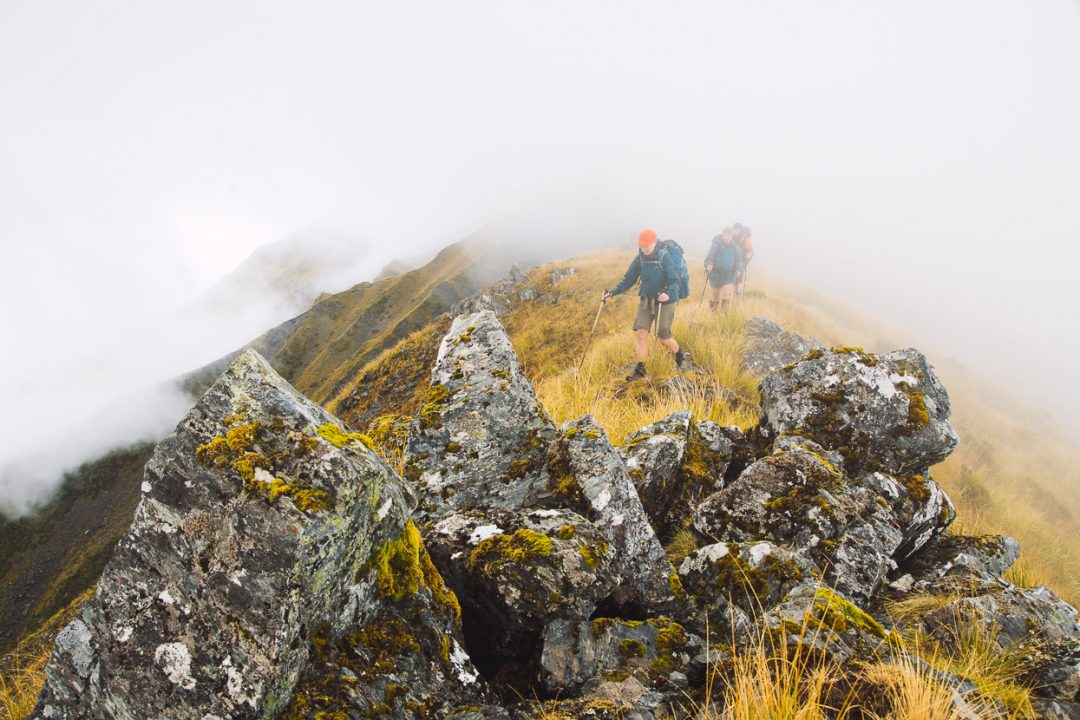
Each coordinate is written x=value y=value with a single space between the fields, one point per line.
x=51 y=557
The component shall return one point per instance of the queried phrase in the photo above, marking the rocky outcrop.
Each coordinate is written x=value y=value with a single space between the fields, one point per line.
x=657 y=652
x=676 y=463
x=521 y=570
x=885 y=413
x=852 y=527
x=733 y=583
x=958 y=563
x=531 y=523
x=769 y=347
x=267 y=540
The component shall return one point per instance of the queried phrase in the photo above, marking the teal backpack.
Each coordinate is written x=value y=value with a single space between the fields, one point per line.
x=676 y=251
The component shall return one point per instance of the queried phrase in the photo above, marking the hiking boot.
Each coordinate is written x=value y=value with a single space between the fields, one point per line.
x=680 y=358
x=639 y=372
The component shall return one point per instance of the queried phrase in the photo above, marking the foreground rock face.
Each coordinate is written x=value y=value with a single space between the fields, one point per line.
x=266 y=535
x=277 y=568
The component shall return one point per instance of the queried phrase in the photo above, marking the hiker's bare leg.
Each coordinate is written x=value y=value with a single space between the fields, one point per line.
x=670 y=344
x=641 y=344
x=715 y=294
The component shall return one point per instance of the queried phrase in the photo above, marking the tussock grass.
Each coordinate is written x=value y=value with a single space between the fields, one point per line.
x=970 y=650
x=913 y=691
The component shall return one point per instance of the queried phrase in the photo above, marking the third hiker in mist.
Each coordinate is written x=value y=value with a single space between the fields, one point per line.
x=724 y=263
x=664 y=281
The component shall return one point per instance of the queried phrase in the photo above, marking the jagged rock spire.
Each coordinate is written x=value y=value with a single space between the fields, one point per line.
x=266 y=537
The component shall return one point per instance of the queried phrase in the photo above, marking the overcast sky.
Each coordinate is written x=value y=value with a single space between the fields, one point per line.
x=921 y=160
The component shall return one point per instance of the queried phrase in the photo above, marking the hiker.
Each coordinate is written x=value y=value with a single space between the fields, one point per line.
x=742 y=239
x=662 y=271
x=724 y=264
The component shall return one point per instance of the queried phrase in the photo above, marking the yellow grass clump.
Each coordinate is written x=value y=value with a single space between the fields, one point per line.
x=22 y=671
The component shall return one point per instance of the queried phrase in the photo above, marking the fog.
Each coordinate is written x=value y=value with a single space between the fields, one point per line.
x=919 y=161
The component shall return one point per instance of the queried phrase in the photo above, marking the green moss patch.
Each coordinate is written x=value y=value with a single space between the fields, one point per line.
x=497 y=550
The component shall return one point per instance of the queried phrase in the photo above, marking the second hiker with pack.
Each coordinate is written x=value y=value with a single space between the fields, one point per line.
x=661 y=268
x=724 y=264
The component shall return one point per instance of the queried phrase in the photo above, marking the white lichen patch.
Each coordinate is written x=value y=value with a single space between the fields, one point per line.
x=166 y=597
x=382 y=511
x=145 y=486
x=544 y=513
x=760 y=551
x=234 y=683
x=602 y=500
x=483 y=532
x=237 y=577
x=125 y=634
x=174 y=659
x=462 y=665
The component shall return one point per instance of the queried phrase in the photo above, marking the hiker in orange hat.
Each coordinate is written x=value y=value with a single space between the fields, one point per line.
x=660 y=267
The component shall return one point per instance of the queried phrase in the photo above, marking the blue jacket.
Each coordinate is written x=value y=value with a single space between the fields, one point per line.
x=657 y=273
x=724 y=257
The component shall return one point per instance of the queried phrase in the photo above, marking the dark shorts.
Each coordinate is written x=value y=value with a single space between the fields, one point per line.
x=722 y=278
x=646 y=315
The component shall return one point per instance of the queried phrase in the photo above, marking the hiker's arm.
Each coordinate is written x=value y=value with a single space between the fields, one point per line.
x=632 y=274
x=710 y=258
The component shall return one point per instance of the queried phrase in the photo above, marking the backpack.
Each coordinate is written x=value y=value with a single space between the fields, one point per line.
x=675 y=250
x=725 y=257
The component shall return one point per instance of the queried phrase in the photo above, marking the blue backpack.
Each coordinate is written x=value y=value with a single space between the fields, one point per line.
x=675 y=250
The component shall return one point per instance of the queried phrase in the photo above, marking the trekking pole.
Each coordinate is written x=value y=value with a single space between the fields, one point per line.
x=704 y=285
x=591 y=332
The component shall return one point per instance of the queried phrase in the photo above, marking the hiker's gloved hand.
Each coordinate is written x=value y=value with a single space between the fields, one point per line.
x=662 y=297
x=607 y=294
x=708 y=267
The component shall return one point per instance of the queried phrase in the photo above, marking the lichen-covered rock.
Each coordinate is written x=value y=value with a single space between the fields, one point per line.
x=515 y=571
x=822 y=620
x=769 y=347
x=590 y=475
x=675 y=464
x=1053 y=669
x=487 y=447
x=880 y=412
x=1031 y=622
x=733 y=583
x=852 y=527
x=959 y=562
x=481 y=438
x=258 y=544
x=612 y=649
x=1015 y=615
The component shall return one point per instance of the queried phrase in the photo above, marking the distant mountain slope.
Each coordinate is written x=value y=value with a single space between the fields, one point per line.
x=321 y=349
x=294 y=270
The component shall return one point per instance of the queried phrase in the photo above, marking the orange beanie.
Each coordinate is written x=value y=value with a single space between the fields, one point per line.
x=646 y=238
